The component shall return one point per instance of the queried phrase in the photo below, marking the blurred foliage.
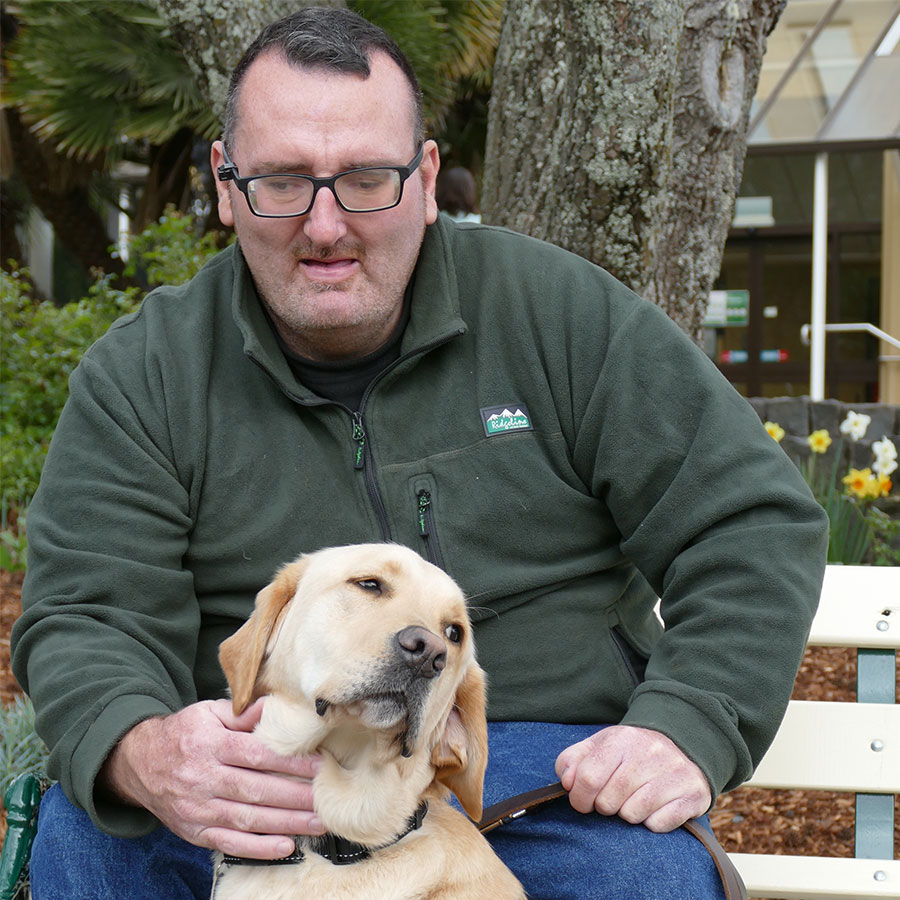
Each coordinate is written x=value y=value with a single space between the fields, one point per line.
x=171 y=251
x=451 y=46
x=42 y=343
x=21 y=750
x=122 y=77
x=88 y=75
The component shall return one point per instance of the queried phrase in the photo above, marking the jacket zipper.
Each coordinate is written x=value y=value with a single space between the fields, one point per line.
x=361 y=459
x=359 y=438
x=362 y=452
x=427 y=531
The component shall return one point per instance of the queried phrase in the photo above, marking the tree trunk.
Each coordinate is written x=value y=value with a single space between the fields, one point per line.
x=618 y=130
x=214 y=34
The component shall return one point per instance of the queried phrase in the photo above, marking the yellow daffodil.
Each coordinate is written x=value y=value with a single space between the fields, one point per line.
x=775 y=431
x=885 y=485
x=819 y=441
x=860 y=483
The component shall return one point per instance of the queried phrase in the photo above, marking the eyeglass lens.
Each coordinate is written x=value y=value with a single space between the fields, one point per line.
x=360 y=191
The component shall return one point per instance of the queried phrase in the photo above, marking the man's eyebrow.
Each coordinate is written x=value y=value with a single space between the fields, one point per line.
x=282 y=167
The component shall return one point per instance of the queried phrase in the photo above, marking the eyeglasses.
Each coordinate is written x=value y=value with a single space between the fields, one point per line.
x=369 y=189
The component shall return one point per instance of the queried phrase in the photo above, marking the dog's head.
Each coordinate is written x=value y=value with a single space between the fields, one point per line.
x=371 y=636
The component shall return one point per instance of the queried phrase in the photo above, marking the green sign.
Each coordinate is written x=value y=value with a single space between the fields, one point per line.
x=727 y=308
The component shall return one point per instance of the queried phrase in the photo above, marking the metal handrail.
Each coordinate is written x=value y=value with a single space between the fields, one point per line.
x=856 y=326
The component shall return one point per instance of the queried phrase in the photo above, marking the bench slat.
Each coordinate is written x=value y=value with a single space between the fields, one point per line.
x=829 y=746
x=805 y=877
x=855 y=599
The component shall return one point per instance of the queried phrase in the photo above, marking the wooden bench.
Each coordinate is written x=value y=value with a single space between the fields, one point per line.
x=847 y=747
x=852 y=747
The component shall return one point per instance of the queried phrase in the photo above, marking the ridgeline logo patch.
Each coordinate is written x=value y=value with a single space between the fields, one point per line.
x=503 y=419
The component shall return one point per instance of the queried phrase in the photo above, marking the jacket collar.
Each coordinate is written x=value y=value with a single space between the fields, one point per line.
x=434 y=313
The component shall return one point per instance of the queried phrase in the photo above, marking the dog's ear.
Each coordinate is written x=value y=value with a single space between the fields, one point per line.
x=242 y=654
x=460 y=756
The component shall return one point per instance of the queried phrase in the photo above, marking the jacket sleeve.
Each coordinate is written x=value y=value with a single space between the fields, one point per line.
x=722 y=526
x=109 y=627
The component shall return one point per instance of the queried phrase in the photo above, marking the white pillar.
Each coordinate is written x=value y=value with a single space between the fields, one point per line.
x=819 y=278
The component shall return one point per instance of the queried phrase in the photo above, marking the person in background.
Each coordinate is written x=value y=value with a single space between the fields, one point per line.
x=457 y=195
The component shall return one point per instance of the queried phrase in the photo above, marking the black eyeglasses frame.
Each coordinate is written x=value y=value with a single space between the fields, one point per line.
x=228 y=171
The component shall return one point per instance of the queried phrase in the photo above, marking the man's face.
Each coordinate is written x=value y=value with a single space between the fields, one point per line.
x=333 y=281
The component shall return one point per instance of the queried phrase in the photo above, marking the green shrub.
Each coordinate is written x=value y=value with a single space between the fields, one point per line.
x=41 y=343
x=170 y=251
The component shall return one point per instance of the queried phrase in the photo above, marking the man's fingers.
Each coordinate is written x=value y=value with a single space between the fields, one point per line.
x=675 y=814
x=635 y=773
x=569 y=761
x=247 y=752
x=249 y=846
x=261 y=789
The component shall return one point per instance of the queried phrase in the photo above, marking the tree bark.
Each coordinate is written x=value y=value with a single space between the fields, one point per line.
x=213 y=35
x=618 y=130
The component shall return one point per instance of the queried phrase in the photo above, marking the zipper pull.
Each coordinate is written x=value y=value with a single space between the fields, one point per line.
x=359 y=435
x=424 y=505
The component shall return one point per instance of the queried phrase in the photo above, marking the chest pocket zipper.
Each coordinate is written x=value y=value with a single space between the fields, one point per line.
x=426 y=528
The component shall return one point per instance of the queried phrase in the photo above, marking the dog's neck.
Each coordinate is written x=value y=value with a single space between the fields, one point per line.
x=365 y=791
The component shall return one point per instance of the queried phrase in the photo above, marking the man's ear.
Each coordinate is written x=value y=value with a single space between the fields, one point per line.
x=223 y=188
x=460 y=757
x=430 y=166
x=242 y=655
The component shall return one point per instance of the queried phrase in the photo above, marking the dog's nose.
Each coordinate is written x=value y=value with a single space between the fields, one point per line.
x=422 y=650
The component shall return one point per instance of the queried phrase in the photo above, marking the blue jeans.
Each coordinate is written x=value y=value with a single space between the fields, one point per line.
x=557 y=853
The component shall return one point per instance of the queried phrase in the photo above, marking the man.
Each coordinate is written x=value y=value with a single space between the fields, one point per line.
x=359 y=368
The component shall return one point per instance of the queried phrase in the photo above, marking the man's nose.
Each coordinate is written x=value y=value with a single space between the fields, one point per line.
x=324 y=223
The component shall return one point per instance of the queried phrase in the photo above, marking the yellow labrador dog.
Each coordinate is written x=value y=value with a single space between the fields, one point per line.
x=365 y=655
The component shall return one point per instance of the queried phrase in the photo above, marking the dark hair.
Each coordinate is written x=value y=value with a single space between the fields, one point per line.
x=455 y=192
x=318 y=37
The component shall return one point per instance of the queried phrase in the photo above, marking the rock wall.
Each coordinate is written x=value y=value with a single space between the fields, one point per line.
x=800 y=417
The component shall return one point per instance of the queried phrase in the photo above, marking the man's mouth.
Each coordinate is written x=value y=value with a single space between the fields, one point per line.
x=333 y=269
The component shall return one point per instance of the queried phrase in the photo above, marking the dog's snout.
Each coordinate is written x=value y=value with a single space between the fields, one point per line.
x=422 y=650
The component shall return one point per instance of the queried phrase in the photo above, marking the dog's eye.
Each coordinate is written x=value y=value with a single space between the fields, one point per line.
x=370 y=584
x=454 y=634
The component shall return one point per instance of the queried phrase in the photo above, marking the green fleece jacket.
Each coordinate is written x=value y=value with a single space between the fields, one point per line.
x=552 y=440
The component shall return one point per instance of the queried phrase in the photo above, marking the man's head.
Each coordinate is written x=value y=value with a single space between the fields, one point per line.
x=317 y=94
x=336 y=40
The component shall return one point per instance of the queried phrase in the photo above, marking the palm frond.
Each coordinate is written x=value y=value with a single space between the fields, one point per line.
x=85 y=74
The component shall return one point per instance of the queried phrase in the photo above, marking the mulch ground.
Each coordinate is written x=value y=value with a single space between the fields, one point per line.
x=748 y=820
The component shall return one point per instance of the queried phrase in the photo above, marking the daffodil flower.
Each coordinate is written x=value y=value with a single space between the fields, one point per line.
x=860 y=482
x=819 y=441
x=885 y=457
x=775 y=431
x=855 y=425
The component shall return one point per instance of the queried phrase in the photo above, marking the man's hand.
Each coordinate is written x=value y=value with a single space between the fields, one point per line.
x=635 y=773
x=209 y=780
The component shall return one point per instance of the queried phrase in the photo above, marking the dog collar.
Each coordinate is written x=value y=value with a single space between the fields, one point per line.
x=340 y=851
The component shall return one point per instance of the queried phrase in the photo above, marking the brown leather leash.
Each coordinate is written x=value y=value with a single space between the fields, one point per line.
x=515 y=807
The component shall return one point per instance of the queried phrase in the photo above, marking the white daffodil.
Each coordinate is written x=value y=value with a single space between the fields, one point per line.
x=885 y=457
x=855 y=425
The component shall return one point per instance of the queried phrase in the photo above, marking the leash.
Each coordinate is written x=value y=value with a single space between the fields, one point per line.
x=515 y=807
